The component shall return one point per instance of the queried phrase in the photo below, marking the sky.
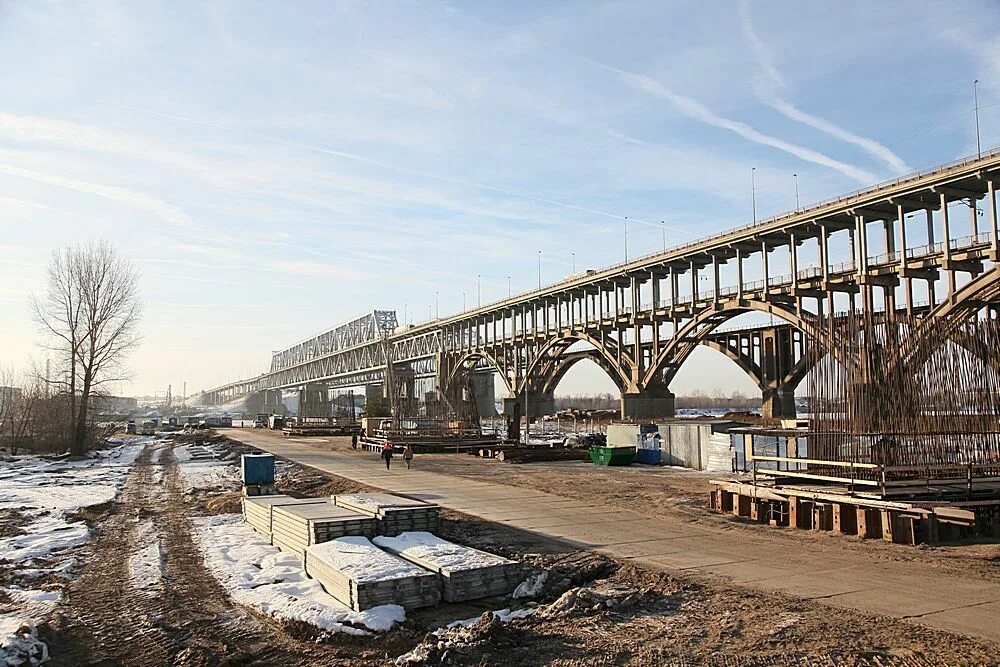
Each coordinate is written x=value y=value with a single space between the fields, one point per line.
x=274 y=169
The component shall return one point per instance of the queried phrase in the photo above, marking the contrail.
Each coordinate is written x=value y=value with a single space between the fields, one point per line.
x=392 y=167
x=695 y=109
x=769 y=95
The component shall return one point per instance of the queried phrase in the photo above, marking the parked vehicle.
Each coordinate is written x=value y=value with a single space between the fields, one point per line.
x=261 y=421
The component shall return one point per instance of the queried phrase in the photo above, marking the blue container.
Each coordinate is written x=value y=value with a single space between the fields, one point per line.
x=258 y=469
x=650 y=457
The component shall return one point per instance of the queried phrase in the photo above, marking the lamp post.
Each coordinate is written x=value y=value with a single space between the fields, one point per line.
x=479 y=290
x=508 y=287
x=539 y=269
x=663 y=232
x=437 y=312
x=796 y=177
x=753 y=192
x=975 y=94
x=463 y=301
x=574 y=262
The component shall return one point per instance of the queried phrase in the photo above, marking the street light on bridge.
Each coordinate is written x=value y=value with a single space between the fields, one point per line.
x=539 y=269
x=796 y=177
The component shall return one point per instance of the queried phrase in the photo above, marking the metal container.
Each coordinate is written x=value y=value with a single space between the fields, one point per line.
x=258 y=469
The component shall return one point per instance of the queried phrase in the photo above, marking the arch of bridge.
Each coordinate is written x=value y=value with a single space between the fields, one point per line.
x=695 y=332
x=944 y=322
x=547 y=360
x=461 y=366
x=569 y=359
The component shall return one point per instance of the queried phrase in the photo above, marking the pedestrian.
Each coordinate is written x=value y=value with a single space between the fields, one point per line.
x=354 y=441
x=387 y=454
x=408 y=456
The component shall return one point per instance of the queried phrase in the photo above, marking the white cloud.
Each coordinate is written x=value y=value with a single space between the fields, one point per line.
x=698 y=111
x=166 y=212
x=768 y=89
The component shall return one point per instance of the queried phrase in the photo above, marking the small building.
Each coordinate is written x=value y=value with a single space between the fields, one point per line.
x=699 y=444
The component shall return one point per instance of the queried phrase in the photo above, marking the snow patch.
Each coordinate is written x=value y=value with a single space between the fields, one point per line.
x=429 y=548
x=203 y=472
x=19 y=642
x=260 y=576
x=531 y=586
x=362 y=561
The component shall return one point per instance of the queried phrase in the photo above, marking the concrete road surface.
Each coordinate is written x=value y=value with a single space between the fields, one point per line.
x=909 y=590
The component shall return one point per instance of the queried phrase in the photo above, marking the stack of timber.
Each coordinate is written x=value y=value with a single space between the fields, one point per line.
x=362 y=576
x=466 y=573
x=910 y=521
x=306 y=430
x=394 y=514
x=257 y=510
x=295 y=527
x=518 y=454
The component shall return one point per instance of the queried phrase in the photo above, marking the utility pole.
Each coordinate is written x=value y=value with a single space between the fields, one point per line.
x=626 y=238
x=796 y=177
x=753 y=192
x=975 y=94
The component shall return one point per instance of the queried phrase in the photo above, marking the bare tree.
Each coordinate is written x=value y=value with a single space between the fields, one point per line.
x=90 y=313
x=19 y=398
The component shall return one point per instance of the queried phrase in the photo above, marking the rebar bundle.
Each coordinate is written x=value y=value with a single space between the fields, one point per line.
x=906 y=398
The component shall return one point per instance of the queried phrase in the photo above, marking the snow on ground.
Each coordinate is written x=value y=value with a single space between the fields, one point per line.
x=259 y=576
x=431 y=549
x=203 y=472
x=47 y=494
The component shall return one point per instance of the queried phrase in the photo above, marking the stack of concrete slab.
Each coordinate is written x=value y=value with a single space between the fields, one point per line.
x=362 y=576
x=466 y=573
x=257 y=510
x=296 y=527
x=395 y=514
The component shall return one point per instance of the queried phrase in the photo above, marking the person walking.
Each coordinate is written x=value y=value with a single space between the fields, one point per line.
x=408 y=456
x=354 y=441
x=387 y=454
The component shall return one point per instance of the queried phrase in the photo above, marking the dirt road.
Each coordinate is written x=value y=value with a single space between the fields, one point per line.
x=144 y=596
x=591 y=509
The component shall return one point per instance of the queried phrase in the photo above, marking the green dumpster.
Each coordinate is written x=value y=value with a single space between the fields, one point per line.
x=612 y=456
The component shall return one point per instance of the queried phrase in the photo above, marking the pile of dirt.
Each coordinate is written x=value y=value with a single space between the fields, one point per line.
x=300 y=482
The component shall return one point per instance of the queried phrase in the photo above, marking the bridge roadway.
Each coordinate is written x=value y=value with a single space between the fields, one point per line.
x=829 y=574
x=886 y=248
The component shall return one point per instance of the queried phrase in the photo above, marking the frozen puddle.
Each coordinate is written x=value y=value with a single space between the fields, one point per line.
x=146 y=564
x=258 y=575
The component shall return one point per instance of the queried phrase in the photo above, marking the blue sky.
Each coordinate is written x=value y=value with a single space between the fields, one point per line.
x=275 y=169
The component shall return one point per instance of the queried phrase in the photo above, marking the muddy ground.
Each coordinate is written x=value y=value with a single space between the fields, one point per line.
x=593 y=610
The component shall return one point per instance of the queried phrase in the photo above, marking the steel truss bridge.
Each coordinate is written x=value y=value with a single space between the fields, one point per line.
x=900 y=245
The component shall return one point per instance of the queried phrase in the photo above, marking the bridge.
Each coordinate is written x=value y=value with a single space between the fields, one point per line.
x=896 y=246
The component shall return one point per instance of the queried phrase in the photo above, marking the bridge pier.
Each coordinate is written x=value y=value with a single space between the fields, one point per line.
x=265 y=401
x=539 y=404
x=314 y=401
x=647 y=404
x=778 y=404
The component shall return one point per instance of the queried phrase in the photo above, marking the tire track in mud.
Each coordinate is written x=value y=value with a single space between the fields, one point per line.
x=110 y=618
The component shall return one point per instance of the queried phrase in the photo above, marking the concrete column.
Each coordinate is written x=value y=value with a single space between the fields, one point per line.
x=930 y=226
x=739 y=273
x=314 y=401
x=694 y=284
x=946 y=234
x=890 y=238
x=973 y=221
x=539 y=404
x=901 y=218
x=824 y=252
x=793 y=260
x=994 y=228
x=647 y=404
x=715 y=279
x=763 y=260
x=778 y=404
